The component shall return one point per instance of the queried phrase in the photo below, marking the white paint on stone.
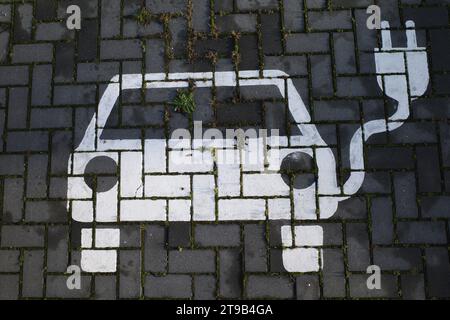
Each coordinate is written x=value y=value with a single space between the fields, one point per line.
x=229 y=175
x=190 y=161
x=143 y=210
x=106 y=206
x=167 y=186
x=204 y=204
x=99 y=261
x=279 y=209
x=264 y=185
x=155 y=156
x=131 y=182
x=179 y=210
x=242 y=209
x=86 y=238
x=78 y=189
x=83 y=211
x=107 y=238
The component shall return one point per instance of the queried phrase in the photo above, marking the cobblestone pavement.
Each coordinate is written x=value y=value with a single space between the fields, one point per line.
x=51 y=81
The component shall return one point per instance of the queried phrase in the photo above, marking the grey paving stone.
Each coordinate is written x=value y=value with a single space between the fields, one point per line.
x=51 y=118
x=161 y=6
x=11 y=164
x=46 y=211
x=9 y=290
x=358 y=86
x=274 y=287
x=398 y=258
x=6 y=13
x=170 y=286
x=19 y=141
x=13 y=75
x=64 y=62
x=429 y=176
x=36 y=176
x=336 y=110
x=33 y=274
x=27 y=53
x=155 y=252
x=110 y=24
x=405 y=195
x=133 y=29
x=358 y=287
x=57 y=287
x=333 y=273
x=105 y=287
x=422 y=232
x=358 y=246
x=57 y=248
x=42 y=87
x=307 y=287
x=217 y=235
x=334 y=286
x=438 y=272
x=74 y=94
x=324 y=20
x=53 y=31
x=312 y=42
x=179 y=234
x=87 y=40
x=200 y=15
x=257 y=4
x=322 y=84
x=22 y=236
x=4 y=45
x=130 y=276
x=178 y=32
x=413 y=287
x=130 y=236
x=204 y=287
x=17 y=108
x=88 y=7
x=294 y=15
x=61 y=147
x=9 y=260
x=255 y=248
x=95 y=72
x=23 y=19
x=45 y=10
x=354 y=208
x=248 y=46
x=230 y=285
x=399 y=158
x=120 y=49
x=236 y=22
x=376 y=182
x=186 y=261
x=13 y=200
x=435 y=207
x=292 y=65
x=382 y=221
x=344 y=50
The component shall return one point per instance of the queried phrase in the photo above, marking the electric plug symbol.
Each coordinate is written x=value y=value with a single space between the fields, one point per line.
x=402 y=72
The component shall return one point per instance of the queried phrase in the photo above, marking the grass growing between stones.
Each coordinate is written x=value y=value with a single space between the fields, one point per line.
x=144 y=16
x=184 y=101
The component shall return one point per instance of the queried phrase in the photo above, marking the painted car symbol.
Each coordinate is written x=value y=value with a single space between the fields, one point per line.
x=153 y=186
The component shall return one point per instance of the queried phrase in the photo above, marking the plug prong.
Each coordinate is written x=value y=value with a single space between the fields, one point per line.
x=411 y=35
x=386 y=35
